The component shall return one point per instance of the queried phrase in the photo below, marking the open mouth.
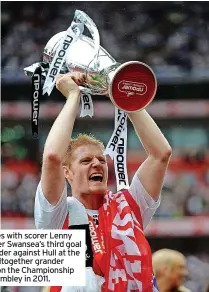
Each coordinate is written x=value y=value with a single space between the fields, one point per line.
x=96 y=177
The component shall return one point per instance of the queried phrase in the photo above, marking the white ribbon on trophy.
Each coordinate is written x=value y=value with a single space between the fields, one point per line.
x=87 y=107
x=72 y=34
x=117 y=149
x=120 y=163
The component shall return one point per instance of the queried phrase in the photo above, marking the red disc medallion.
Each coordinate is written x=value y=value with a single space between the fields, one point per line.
x=133 y=86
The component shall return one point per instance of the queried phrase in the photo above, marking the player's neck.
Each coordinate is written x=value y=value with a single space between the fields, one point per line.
x=91 y=202
x=163 y=286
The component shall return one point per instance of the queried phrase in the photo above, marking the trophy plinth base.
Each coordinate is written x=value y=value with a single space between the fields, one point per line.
x=133 y=86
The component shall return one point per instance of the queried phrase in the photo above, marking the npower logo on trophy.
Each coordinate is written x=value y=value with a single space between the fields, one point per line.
x=131 y=88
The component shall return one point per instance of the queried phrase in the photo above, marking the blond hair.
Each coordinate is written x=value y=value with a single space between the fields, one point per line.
x=80 y=140
x=165 y=257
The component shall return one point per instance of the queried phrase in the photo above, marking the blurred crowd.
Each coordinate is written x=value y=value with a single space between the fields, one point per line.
x=186 y=187
x=166 y=35
x=185 y=191
x=19 y=180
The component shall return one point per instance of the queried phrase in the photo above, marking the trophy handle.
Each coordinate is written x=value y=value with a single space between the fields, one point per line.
x=86 y=20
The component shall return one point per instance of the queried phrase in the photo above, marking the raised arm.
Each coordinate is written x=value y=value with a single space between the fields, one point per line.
x=52 y=176
x=152 y=171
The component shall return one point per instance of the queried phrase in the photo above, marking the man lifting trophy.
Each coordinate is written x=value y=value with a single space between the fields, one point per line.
x=118 y=256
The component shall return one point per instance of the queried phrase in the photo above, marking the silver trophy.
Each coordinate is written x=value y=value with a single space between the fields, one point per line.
x=131 y=86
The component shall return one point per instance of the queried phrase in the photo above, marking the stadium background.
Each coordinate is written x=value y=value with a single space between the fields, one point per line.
x=171 y=37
